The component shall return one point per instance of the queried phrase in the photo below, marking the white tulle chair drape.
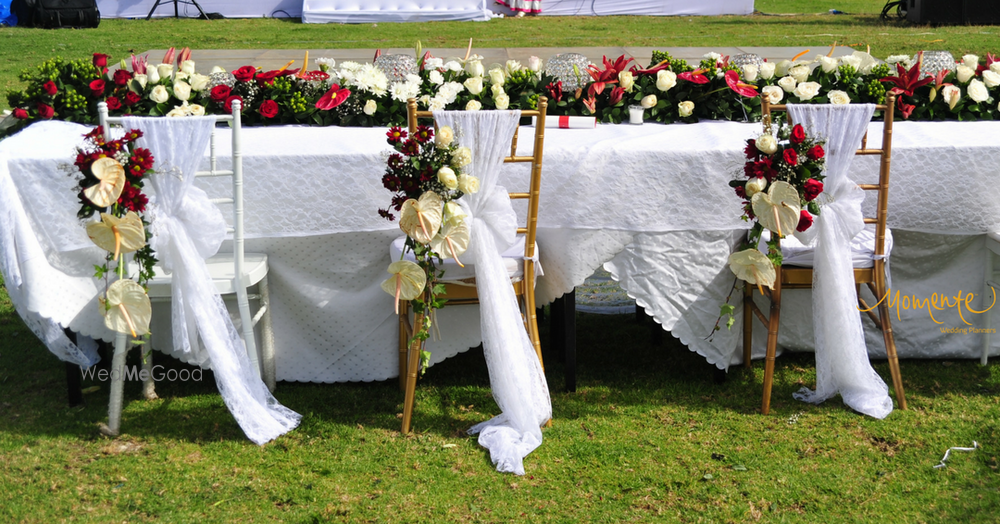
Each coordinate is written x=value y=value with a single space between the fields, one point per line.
x=842 y=364
x=186 y=229
x=516 y=376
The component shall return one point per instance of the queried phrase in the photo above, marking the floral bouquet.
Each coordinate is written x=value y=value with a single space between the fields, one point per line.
x=426 y=175
x=783 y=177
x=111 y=185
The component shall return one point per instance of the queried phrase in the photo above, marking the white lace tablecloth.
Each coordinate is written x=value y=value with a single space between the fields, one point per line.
x=650 y=200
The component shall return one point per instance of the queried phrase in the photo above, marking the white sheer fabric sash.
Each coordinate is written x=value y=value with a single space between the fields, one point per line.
x=516 y=376
x=842 y=364
x=186 y=229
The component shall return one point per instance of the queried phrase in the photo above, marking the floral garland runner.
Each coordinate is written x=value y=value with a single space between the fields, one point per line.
x=354 y=94
x=111 y=186
x=426 y=176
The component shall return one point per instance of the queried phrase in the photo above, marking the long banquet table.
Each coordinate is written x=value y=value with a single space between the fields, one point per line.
x=649 y=202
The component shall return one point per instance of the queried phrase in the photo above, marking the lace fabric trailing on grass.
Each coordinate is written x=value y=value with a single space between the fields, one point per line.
x=842 y=364
x=516 y=376
x=186 y=229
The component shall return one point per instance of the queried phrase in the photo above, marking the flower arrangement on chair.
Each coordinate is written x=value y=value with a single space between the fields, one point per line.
x=425 y=173
x=113 y=173
x=783 y=175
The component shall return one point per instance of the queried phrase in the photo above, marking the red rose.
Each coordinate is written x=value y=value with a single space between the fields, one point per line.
x=50 y=88
x=798 y=134
x=97 y=87
x=20 y=114
x=220 y=93
x=122 y=77
x=113 y=103
x=268 y=109
x=805 y=220
x=815 y=152
x=101 y=60
x=45 y=111
x=245 y=73
x=791 y=157
x=132 y=99
x=812 y=189
x=228 y=104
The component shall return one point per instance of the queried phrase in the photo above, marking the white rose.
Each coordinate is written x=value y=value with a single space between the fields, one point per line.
x=712 y=56
x=180 y=75
x=665 y=80
x=995 y=67
x=782 y=68
x=807 y=90
x=502 y=101
x=838 y=97
x=787 y=83
x=453 y=66
x=496 y=77
x=370 y=107
x=767 y=144
x=461 y=157
x=497 y=90
x=153 y=74
x=626 y=80
x=159 y=94
x=535 y=63
x=474 y=84
x=178 y=111
x=799 y=73
x=767 y=70
x=977 y=91
x=648 y=101
x=468 y=184
x=182 y=91
x=165 y=70
x=755 y=185
x=188 y=66
x=436 y=104
x=951 y=95
x=964 y=73
x=445 y=135
x=852 y=60
x=141 y=80
x=774 y=94
x=750 y=72
x=196 y=110
x=447 y=178
x=828 y=64
x=473 y=105
x=198 y=82
x=971 y=61
x=990 y=78
x=685 y=108
x=436 y=77
x=474 y=68
x=512 y=65
x=433 y=63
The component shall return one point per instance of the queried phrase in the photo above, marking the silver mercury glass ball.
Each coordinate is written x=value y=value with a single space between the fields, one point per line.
x=743 y=59
x=935 y=61
x=570 y=69
x=396 y=67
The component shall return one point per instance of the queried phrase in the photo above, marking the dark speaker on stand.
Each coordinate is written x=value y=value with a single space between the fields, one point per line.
x=958 y=12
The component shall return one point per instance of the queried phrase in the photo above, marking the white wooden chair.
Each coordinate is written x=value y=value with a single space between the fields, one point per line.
x=233 y=273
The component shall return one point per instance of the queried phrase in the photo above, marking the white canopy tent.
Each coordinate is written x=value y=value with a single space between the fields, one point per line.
x=227 y=8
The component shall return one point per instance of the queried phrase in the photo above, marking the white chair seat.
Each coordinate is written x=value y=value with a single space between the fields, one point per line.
x=994 y=236
x=794 y=253
x=221 y=268
x=454 y=273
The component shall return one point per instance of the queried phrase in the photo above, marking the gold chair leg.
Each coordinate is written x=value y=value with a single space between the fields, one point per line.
x=890 y=340
x=772 y=342
x=404 y=337
x=412 y=368
x=747 y=324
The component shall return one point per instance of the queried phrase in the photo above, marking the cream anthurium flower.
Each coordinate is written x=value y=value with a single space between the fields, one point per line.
x=118 y=235
x=453 y=239
x=753 y=266
x=778 y=209
x=407 y=281
x=111 y=177
x=126 y=308
x=420 y=219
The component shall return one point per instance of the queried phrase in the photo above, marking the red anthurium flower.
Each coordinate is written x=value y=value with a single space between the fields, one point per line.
x=97 y=87
x=733 y=81
x=332 y=98
x=907 y=81
x=313 y=75
x=695 y=76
